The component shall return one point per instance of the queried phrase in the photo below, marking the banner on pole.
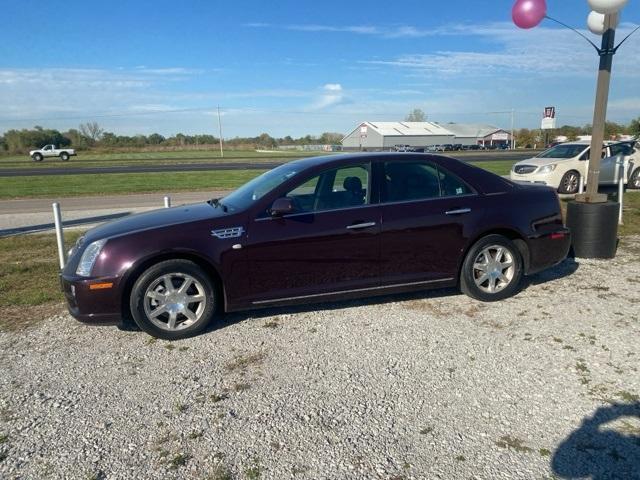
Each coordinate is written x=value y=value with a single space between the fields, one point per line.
x=549 y=118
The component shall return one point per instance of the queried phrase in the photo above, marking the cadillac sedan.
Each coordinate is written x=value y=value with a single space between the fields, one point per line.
x=317 y=229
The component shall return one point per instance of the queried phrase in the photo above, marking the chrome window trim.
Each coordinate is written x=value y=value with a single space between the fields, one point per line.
x=356 y=207
x=356 y=290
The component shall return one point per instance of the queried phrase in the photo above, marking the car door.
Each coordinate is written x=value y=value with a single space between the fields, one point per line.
x=616 y=163
x=427 y=216
x=329 y=243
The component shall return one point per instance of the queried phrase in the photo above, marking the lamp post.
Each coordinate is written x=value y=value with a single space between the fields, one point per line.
x=591 y=216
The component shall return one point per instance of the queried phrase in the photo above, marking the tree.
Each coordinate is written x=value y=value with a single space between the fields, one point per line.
x=416 y=115
x=634 y=127
x=92 y=131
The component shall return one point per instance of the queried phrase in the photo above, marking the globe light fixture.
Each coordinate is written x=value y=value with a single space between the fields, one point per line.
x=595 y=22
x=607 y=6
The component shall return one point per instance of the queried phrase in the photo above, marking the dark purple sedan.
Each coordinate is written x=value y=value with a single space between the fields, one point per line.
x=317 y=229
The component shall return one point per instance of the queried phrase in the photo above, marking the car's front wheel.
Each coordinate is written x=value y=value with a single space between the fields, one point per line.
x=492 y=269
x=173 y=299
x=634 y=181
x=37 y=157
x=570 y=183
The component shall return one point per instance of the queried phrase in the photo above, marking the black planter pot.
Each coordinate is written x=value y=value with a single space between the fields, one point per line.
x=594 y=228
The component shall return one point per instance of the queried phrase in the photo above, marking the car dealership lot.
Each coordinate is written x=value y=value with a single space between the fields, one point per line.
x=402 y=387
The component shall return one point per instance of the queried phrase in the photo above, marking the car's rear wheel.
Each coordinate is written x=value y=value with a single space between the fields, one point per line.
x=570 y=183
x=64 y=156
x=492 y=269
x=173 y=299
x=37 y=157
x=634 y=181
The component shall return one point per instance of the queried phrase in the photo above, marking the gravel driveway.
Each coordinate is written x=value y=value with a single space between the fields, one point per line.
x=429 y=385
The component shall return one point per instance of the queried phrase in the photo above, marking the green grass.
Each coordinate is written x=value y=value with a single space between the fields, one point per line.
x=29 y=286
x=124 y=183
x=121 y=183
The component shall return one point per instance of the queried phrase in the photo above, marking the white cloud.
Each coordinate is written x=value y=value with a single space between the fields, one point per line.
x=509 y=51
x=332 y=94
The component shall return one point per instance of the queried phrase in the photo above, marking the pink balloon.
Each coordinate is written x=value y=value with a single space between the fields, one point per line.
x=529 y=13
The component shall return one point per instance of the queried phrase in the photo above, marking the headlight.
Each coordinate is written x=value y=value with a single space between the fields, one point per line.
x=547 y=168
x=89 y=257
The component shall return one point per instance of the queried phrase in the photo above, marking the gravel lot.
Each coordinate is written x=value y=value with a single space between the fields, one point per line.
x=429 y=385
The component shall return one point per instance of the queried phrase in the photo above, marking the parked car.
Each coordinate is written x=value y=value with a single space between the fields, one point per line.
x=562 y=166
x=317 y=229
x=52 y=151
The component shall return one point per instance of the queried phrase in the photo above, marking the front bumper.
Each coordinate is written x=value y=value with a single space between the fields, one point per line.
x=539 y=179
x=89 y=304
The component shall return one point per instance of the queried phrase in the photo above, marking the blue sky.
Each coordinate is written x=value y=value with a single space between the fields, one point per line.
x=298 y=68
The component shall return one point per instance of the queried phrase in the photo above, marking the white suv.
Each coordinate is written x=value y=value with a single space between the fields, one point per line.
x=562 y=166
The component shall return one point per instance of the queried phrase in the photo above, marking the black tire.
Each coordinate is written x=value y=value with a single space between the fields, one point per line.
x=469 y=273
x=37 y=157
x=64 y=156
x=634 y=180
x=139 y=307
x=570 y=183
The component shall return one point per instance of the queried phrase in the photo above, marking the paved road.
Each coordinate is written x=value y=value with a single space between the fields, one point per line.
x=35 y=215
x=217 y=165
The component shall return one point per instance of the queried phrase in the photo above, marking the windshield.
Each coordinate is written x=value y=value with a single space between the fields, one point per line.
x=563 y=151
x=257 y=188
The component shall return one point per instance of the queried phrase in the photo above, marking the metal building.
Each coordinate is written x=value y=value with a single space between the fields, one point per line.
x=372 y=136
x=477 y=134
x=377 y=136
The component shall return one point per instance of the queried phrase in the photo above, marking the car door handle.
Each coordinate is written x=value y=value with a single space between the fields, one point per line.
x=459 y=211
x=358 y=226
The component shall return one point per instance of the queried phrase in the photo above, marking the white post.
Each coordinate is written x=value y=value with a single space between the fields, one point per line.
x=167 y=202
x=513 y=121
x=57 y=219
x=620 y=195
x=581 y=186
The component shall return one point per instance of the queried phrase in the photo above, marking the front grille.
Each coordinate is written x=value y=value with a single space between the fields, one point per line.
x=523 y=169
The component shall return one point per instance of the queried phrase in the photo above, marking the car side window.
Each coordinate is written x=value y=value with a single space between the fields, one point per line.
x=405 y=181
x=621 y=148
x=585 y=155
x=451 y=185
x=331 y=190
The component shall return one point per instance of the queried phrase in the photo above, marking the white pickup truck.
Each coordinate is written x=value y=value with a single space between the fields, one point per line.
x=52 y=151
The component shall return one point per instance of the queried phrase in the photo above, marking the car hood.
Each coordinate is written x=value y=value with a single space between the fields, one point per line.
x=539 y=162
x=155 y=219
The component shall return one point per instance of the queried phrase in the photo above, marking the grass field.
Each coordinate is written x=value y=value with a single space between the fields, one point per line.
x=165 y=182
x=121 y=183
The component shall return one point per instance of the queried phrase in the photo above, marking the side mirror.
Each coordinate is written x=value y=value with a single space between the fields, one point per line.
x=282 y=206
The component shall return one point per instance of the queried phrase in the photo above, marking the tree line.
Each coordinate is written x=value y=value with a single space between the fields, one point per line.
x=92 y=136
x=527 y=138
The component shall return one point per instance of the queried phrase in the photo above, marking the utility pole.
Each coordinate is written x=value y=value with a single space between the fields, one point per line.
x=513 y=121
x=220 y=133
x=607 y=51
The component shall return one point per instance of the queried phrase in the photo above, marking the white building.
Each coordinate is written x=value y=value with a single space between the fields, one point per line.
x=375 y=136
x=380 y=136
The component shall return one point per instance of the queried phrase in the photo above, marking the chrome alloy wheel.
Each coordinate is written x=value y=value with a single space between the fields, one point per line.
x=570 y=182
x=493 y=268
x=174 y=301
x=635 y=179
